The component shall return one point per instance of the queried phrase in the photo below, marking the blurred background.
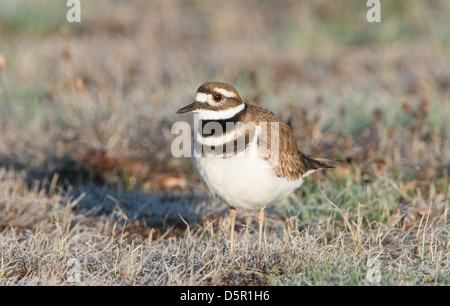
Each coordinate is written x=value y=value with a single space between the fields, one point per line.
x=94 y=101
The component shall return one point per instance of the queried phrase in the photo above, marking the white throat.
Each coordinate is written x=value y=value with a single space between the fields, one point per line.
x=205 y=114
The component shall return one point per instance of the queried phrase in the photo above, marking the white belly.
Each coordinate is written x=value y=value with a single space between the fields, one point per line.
x=243 y=182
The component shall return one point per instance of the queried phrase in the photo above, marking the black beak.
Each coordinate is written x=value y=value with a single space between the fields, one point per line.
x=189 y=108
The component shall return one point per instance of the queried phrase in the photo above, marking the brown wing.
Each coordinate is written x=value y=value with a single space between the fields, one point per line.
x=281 y=150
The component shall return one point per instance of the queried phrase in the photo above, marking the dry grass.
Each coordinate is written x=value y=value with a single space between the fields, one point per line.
x=44 y=242
x=90 y=193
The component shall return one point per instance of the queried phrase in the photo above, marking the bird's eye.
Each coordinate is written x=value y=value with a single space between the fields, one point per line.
x=218 y=97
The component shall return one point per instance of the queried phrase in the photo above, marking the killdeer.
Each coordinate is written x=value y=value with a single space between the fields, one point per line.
x=252 y=158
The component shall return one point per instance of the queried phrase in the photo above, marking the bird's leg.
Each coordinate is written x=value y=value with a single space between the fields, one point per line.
x=233 y=218
x=261 y=224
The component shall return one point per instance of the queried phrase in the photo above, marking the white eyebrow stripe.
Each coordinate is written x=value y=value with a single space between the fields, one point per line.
x=202 y=97
x=226 y=93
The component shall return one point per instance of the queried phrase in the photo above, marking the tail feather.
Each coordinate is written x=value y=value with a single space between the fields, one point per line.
x=317 y=163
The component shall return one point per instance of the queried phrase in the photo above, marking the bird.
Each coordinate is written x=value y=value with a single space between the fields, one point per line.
x=244 y=154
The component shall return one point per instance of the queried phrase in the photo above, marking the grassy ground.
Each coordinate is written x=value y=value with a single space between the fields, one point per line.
x=90 y=193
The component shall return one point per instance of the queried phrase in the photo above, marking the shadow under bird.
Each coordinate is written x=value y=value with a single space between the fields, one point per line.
x=252 y=158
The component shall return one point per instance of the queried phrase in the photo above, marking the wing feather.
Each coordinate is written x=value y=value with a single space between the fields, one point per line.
x=281 y=149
